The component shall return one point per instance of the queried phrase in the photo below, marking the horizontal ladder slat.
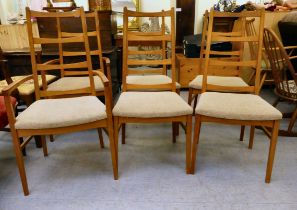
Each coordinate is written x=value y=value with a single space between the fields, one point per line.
x=44 y=93
x=256 y=13
x=149 y=62
x=145 y=71
x=246 y=89
x=213 y=52
x=74 y=13
x=58 y=40
x=67 y=53
x=235 y=39
x=216 y=62
x=67 y=34
x=44 y=67
x=145 y=52
x=158 y=33
x=167 y=86
x=150 y=38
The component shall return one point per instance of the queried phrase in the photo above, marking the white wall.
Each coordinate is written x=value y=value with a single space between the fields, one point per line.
x=154 y=6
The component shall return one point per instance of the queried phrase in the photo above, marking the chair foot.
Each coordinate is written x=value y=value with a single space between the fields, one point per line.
x=252 y=135
x=101 y=141
x=242 y=128
x=123 y=133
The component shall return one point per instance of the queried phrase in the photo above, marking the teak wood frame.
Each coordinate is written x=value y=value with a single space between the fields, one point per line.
x=37 y=68
x=273 y=124
x=149 y=37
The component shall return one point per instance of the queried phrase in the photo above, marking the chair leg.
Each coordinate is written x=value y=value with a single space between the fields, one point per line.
x=188 y=144
x=242 y=128
x=252 y=135
x=20 y=162
x=195 y=142
x=272 y=147
x=24 y=149
x=174 y=132
x=123 y=133
x=52 y=138
x=195 y=103
x=113 y=149
x=292 y=121
x=116 y=136
x=99 y=130
x=190 y=96
x=44 y=146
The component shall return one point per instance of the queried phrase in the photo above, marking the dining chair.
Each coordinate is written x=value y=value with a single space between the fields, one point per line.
x=50 y=114
x=217 y=75
x=284 y=75
x=244 y=106
x=152 y=100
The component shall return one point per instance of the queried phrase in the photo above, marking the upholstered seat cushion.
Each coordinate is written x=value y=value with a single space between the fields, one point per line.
x=3 y=112
x=151 y=105
x=218 y=80
x=236 y=106
x=74 y=83
x=54 y=113
x=27 y=88
x=149 y=80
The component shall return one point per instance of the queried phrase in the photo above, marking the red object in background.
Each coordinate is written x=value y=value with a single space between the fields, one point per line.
x=3 y=113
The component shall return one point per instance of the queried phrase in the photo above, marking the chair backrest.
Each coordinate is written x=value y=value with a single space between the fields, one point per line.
x=232 y=61
x=73 y=67
x=283 y=72
x=162 y=38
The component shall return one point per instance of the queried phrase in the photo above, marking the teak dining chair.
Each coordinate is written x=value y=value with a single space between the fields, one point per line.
x=217 y=75
x=59 y=115
x=162 y=104
x=236 y=108
x=284 y=74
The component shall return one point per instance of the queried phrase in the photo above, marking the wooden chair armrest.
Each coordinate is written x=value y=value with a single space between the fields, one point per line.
x=11 y=87
x=106 y=60
x=102 y=77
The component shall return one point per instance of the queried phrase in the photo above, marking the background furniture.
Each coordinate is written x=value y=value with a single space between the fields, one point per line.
x=284 y=75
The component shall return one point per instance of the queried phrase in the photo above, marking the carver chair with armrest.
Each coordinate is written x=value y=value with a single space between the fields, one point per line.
x=284 y=75
x=240 y=108
x=51 y=115
x=70 y=79
x=160 y=105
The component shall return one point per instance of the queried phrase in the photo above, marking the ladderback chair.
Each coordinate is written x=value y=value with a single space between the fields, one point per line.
x=56 y=115
x=218 y=75
x=284 y=75
x=245 y=106
x=151 y=101
x=146 y=74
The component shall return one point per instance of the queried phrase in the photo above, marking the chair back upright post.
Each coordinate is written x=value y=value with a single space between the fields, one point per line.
x=155 y=38
x=233 y=61
x=60 y=40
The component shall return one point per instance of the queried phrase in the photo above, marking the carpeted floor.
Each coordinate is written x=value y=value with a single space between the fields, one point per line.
x=77 y=174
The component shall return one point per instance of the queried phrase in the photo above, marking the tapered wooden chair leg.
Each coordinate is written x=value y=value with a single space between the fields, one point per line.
x=116 y=136
x=292 y=121
x=195 y=103
x=188 y=144
x=123 y=133
x=252 y=135
x=195 y=142
x=52 y=138
x=174 y=132
x=113 y=149
x=44 y=146
x=20 y=162
x=271 y=154
x=100 y=137
x=242 y=128
x=24 y=149
x=190 y=96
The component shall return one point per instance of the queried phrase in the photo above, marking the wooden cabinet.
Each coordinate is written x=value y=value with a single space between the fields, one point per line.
x=187 y=69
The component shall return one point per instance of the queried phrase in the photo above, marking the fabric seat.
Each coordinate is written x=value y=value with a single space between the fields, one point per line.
x=236 y=106
x=150 y=80
x=55 y=113
x=218 y=80
x=151 y=105
x=26 y=88
x=73 y=83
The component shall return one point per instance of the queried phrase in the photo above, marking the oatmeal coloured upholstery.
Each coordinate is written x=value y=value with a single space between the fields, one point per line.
x=151 y=105
x=149 y=80
x=55 y=113
x=75 y=83
x=218 y=80
x=27 y=87
x=236 y=106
